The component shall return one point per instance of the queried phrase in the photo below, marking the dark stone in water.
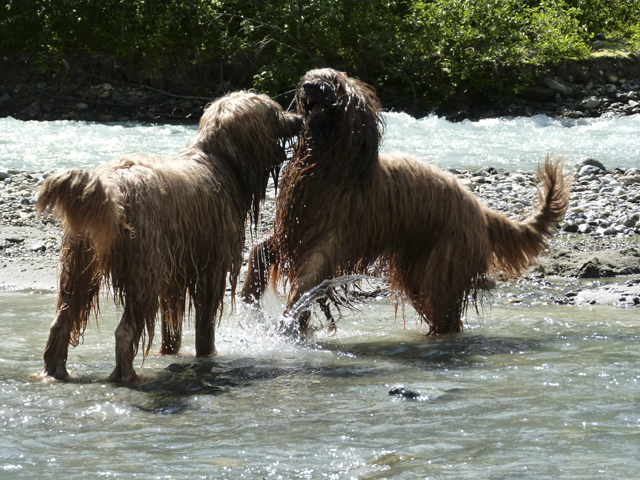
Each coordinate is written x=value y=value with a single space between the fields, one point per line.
x=400 y=391
x=594 y=269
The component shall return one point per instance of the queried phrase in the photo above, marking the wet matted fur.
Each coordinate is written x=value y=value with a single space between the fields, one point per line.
x=155 y=229
x=344 y=208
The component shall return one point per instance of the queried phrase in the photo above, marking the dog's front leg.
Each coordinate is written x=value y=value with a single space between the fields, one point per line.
x=313 y=272
x=261 y=259
x=208 y=298
x=172 y=317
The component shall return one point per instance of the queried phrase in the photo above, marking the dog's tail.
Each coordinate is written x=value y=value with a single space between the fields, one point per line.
x=86 y=203
x=516 y=244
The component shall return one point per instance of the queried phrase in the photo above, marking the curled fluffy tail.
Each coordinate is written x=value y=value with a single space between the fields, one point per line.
x=86 y=203
x=516 y=244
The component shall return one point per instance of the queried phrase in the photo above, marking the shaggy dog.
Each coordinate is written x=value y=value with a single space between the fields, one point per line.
x=343 y=208
x=157 y=229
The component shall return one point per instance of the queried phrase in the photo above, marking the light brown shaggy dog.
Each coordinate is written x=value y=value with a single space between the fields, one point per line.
x=343 y=208
x=158 y=228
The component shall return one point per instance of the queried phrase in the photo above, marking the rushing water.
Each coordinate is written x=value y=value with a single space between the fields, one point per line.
x=510 y=144
x=530 y=389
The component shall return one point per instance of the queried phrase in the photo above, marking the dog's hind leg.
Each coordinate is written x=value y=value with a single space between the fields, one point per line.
x=78 y=291
x=140 y=308
x=127 y=339
x=260 y=260
x=441 y=305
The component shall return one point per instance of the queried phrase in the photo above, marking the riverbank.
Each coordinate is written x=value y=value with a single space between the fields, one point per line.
x=597 y=240
x=606 y=83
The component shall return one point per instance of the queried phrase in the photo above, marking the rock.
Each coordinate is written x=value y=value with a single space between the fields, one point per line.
x=570 y=227
x=628 y=222
x=7 y=105
x=626 y=180
x=15 y=239
x=591 y=161
x=597 y=45
x=589 y=171
x=400 y=391
x=538 y=93
x=591 y=102
x=558 y=87
x=487 y=171
x=38 y=247
x=467 y=183
x=4 y=174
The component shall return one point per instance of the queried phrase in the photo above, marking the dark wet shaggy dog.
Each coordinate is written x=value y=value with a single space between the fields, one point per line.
x=156 y=229
x=345 y=208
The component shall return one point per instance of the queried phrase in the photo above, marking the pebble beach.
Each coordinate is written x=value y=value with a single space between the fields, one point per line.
x=599 y=237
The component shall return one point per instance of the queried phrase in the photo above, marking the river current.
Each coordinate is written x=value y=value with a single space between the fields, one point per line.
x=530 y=389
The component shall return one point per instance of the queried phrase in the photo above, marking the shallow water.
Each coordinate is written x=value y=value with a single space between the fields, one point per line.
x=506 y=144
x=546 y=392
x=531 y=389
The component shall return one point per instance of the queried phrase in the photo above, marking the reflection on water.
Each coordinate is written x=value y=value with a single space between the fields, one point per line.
x=543 y=390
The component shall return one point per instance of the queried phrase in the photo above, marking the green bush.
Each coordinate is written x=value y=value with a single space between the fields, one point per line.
x=469 y=43
x=416 y=53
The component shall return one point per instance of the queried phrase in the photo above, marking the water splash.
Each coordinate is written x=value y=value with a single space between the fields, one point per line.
x=347 y=291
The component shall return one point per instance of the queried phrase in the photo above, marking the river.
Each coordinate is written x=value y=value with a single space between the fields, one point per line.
x=530 y=389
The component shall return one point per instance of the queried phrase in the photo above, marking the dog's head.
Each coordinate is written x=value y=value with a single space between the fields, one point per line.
x=340 y=111
x=251 y=135
x=245 y=125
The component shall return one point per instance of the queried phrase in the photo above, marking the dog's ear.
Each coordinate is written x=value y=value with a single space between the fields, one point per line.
x=292 y=123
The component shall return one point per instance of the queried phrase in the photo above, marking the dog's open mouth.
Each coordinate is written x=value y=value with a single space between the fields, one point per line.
x=315 y=107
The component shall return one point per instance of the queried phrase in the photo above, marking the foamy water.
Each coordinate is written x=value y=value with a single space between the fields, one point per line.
x=506 y=144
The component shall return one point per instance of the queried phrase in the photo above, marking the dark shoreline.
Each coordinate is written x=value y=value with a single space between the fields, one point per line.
x=607 y=83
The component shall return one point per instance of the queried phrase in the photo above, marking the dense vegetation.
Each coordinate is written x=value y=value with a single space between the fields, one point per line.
x=416 y=53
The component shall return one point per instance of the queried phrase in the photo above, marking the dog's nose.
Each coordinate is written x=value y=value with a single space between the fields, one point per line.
x=310 y=87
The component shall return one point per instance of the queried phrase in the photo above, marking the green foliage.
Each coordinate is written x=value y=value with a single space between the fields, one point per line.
x=416 y=53
x=470 y=43
x=607 y=15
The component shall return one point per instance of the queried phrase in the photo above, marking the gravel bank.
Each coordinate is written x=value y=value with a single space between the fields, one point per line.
x=599 y=237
